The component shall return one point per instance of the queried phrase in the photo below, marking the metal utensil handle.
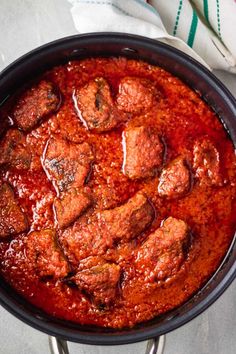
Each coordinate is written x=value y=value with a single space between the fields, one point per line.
x=59 y=346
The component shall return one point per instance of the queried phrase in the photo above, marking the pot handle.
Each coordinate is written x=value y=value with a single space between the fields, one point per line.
x=58 y=346
x=154 y=346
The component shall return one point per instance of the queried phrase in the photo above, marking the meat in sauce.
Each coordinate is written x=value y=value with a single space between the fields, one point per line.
x=94 y=235
x=67 y=164
x=110 y=206
x=12 y=219
x=71 y=205
x=164 y=251
x=129 y=220
x=13 y=150
x=100 y=282
x=45 y=255
x=136 y=95
x=85 y=238
x=35 y=104
x=206 y=163
x=175 y=179
x=143 y=152
x=95 y=106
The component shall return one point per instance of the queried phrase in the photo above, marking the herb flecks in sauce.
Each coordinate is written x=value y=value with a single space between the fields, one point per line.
x=98 y=229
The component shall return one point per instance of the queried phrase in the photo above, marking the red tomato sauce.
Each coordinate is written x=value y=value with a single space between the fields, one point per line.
x=181 y=117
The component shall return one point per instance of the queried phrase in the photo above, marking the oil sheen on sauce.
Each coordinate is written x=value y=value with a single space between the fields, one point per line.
x=181 y=117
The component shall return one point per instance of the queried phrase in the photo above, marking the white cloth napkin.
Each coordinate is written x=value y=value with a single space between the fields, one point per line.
x=204 y=29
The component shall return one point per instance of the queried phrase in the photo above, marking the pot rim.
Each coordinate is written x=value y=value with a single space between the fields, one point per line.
x=148 y=329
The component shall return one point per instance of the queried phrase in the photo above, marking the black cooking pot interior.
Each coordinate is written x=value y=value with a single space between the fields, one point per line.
x=199 y=79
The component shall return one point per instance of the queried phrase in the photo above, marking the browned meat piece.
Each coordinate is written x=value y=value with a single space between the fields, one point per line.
x=93 y=236
x=130 y=219
x=12 y=219
x=85 y=238
x=206 y=163
x=100 y=282
x=175 y=179
x=90 y=262
x=35 y=104
x=143 y=152
x=67 y=164
x=45 y=256
x=70 y=206
x=136 y=95
x=107 y=196
x=95 y=106
x=13 y=150
x=164 y=251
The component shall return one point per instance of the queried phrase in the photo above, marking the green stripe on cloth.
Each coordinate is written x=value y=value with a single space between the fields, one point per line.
x=205 y=7
x=193 y=29
x=218 y=17
x=177 y=17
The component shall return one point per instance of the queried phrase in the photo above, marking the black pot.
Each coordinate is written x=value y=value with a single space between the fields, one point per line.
x=212 y=91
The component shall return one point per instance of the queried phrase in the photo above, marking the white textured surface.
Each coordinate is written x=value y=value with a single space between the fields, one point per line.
x=24 y=25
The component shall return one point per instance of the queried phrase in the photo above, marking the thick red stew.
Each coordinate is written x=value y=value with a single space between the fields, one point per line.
x=117 y=192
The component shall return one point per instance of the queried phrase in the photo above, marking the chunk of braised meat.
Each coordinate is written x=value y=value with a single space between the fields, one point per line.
x=206 y=163
x=94 y=235
x=128 y=220
x=163 y=253
x=100 y=282
x=71 y=205
x=12 y=219
x=45 y=256
x=13 y=150
x=175 y=179
x=107 y=196
x=95 y=106
x=85 y=238
x=136 y=95
x=35 y=104
x=143 y=152
x=67 y=164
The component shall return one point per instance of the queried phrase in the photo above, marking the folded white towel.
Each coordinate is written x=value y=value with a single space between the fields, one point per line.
x=203 y=29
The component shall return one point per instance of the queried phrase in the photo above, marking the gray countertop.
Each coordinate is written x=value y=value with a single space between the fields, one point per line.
x=24 y=25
